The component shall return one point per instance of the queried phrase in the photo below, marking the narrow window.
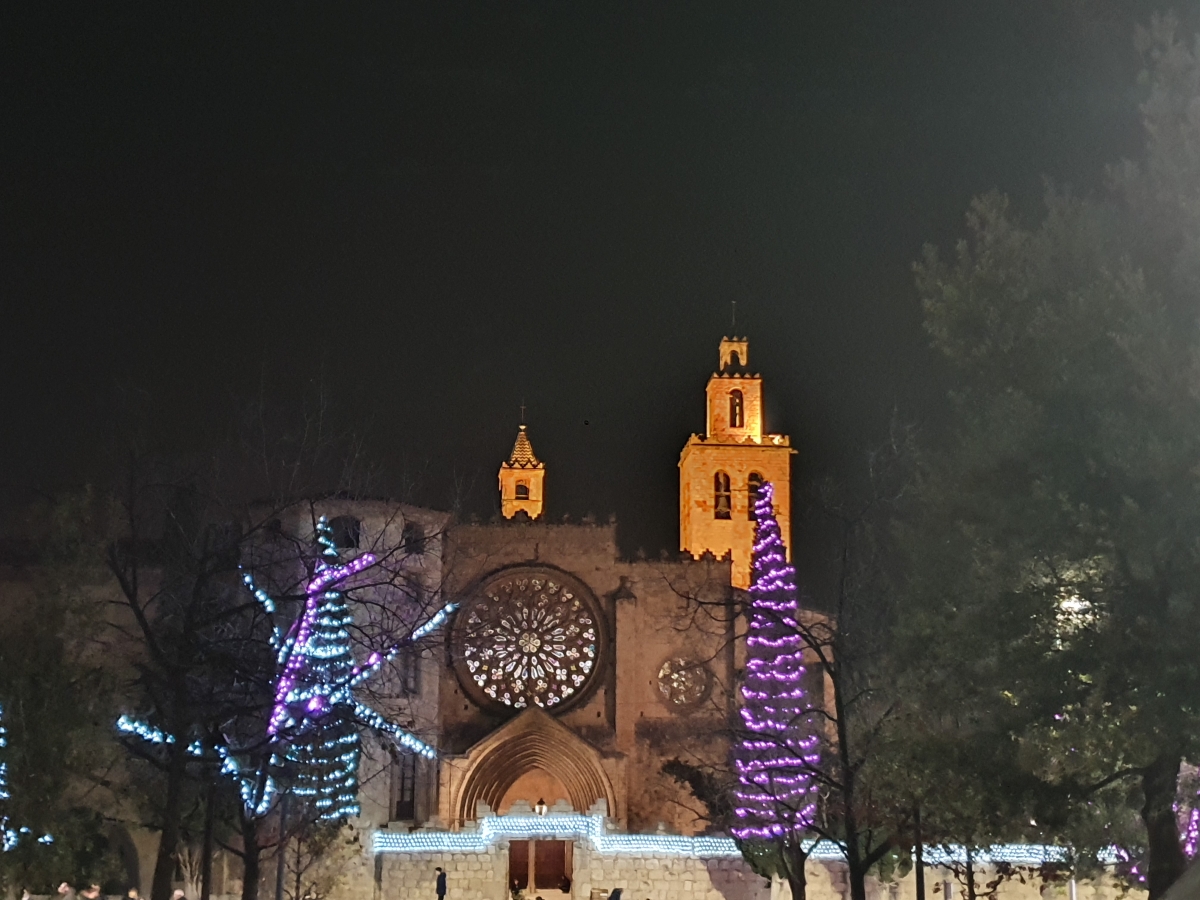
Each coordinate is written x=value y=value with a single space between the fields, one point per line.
x=522 y=490
x=404 y=788
x=721 y=497
x=754 y=483
x=408 y=670
x=412 y=536
x=346 y=532
x=737 y=410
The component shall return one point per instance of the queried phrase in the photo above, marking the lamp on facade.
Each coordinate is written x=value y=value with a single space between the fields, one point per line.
x=540 y=807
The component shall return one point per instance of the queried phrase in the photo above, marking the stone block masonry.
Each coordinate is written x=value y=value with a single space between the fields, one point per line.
x=665 y=877
x=469 y=876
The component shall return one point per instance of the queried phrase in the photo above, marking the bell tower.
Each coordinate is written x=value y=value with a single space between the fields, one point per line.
x=720 y=470
x=521 y=480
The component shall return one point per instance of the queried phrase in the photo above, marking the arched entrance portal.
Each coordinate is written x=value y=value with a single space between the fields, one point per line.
x=531 y=753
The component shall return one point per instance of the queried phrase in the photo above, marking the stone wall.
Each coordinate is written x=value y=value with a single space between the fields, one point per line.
x=665 y=877
x=469 y=876
x=484 y=876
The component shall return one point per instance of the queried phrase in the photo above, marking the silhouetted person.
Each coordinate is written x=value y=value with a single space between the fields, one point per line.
x=441 y=883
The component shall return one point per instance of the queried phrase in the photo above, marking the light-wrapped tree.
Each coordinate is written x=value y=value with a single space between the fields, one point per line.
x=776 y=755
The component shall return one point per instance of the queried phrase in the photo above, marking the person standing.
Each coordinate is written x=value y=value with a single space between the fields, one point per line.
x=441 y=883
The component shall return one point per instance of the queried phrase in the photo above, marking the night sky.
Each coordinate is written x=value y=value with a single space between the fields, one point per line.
x=450 y=207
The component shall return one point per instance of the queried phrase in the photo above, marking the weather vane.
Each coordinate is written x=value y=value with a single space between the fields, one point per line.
x=734 y=304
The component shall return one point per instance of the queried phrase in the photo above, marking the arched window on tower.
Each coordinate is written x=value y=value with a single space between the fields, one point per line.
x=412 y=538
x=722 y=500
x=522 y=490
x=346 y=531
x=737 y=410
x=753 y=484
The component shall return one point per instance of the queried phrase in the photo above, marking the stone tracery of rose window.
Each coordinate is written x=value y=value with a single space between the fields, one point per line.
x=528 y=639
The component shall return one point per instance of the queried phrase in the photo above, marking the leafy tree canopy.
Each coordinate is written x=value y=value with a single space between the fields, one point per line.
x=1059 y=540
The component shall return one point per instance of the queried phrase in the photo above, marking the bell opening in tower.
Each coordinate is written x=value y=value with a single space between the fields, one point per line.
x=722 y=497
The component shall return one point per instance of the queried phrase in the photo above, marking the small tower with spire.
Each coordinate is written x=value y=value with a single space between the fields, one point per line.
x=521 y=480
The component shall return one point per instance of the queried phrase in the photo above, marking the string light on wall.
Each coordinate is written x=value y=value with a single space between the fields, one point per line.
x=592 y=831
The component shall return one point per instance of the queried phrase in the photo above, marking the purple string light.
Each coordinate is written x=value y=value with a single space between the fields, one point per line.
x=313 y=727
x=1191 y=834
x=302 y=647
x=776 y=795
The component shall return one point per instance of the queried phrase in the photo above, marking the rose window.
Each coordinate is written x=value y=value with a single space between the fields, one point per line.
x=530 y=638
x=684 y=682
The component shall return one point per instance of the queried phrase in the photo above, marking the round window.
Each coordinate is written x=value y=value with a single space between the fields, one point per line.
x=684 y=683
x=528 y=637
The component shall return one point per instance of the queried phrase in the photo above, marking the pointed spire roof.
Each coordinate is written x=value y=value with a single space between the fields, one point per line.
x=522 y=453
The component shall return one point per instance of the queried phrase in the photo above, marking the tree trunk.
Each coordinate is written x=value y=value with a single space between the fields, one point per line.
x=251 y=853
x=856 y=872
x=794 y=859
x=857 y=875
x=281 y=848
x=1166 y=861
x=919 y=852
x=970 y=873
x=206 y=850
x=162 y=885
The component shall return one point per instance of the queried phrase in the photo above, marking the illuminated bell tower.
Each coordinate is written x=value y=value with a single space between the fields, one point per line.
x=720 y=470
x=521 y=480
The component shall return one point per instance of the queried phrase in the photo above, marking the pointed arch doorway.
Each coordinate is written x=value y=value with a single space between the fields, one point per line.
x=533 y=757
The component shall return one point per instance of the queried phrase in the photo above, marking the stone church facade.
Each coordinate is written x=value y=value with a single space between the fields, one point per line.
x=568 y=678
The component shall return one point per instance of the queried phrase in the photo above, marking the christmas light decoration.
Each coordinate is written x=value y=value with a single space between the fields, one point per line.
x=592 y=830
x=776 y=794
x=11 y=835
x=556 y=826
x=315 y=717
x=313 y=730
x=1191 y=832
x=1187 y=812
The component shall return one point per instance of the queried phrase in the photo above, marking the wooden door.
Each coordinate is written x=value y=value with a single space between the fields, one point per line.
x=518 y=865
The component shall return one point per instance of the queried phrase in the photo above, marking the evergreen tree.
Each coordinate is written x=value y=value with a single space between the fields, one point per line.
x=775 y=797
x=1067 y=495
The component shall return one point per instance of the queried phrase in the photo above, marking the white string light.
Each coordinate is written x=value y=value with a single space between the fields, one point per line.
x=575 y=826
